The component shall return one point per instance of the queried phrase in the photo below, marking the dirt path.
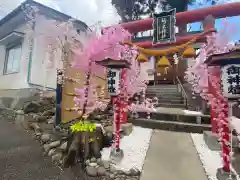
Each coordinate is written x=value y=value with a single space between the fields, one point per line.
x=172 y=156
x=21 y=158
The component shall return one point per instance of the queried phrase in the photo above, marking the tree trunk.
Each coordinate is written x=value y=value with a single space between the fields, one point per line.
x=85 y=145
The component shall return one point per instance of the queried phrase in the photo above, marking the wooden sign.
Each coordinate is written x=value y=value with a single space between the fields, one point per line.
x=113 y=80
x=230 y=80
x=164 y=27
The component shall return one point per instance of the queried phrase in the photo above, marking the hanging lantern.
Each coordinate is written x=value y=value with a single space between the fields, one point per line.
x=189 y=52
x=163 y=62
x=142 y=58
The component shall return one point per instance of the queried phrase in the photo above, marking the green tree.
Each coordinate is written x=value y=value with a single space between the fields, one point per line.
x=131 y=10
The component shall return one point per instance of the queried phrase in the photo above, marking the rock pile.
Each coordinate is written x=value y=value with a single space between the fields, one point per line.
x=98 y=167
x=38 y=119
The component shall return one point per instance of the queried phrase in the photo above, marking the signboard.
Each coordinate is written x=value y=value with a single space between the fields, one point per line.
x=164 y=27
x=113 y=80
x=230 y=79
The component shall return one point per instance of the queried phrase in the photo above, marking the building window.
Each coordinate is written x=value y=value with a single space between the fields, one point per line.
x=13 y=57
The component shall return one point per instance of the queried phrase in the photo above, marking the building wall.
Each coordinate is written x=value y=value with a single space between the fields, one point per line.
x=38 y=74
x=16 y=80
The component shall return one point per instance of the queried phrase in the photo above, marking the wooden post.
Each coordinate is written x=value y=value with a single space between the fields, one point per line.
x=209 y=23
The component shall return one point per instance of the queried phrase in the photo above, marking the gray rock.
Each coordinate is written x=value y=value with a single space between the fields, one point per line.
x=101 y=171
x=35 y=127
x=93 y=164
x=29 y=118
x=46 y=147
x=93 y=159
x=91 y=171
x=108 y=129
x=134 y=172
x=49 y=113
x=98 y=117
x=106 y=164
x=99 y=161
x=51 y=145
x=31 y=107
x=39 y=118
x=54 y=144
x=19 y=112
x=87 y=162
x=222 y=175
x=57 y=157
x=51 y=120
x=127 y=128
x=235 y=141
x=112 y=176
x=51 y=152
x=112 y=169
x=38 y=134
x=45 y=137
x=63 y=146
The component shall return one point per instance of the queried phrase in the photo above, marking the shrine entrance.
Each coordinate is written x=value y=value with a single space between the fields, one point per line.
x=164 y=71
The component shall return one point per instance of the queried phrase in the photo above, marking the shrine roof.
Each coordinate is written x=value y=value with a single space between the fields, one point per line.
x=224 y=58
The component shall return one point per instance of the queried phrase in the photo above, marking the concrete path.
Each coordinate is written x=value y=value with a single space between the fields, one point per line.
x=172 y=156
x=21 y=158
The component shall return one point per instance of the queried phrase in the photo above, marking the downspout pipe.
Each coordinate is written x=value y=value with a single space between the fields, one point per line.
x=30 y=57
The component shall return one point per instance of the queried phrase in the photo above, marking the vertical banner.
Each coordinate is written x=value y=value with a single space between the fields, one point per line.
x=230 y=80
x=113 y=81
x=164 y=27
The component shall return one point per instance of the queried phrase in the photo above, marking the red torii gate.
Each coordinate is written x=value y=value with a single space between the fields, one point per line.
x=218 y=11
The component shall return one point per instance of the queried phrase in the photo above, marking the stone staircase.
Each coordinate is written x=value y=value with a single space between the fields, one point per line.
x=171 y=112
x=168 y=95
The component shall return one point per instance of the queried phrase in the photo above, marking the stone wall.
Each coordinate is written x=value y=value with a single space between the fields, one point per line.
x=16 y=98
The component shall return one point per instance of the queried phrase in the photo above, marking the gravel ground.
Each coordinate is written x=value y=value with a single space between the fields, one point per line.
x=135 y=148
x=21 y=158
x=211 y=160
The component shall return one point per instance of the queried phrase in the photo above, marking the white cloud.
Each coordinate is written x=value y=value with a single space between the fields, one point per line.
x=88 y=11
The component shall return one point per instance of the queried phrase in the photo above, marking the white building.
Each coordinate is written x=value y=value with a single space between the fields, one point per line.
x=21 y=67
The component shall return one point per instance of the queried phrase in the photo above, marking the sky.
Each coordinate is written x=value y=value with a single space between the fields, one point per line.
x=95 y=11
x=234 y=21
x=88 y=11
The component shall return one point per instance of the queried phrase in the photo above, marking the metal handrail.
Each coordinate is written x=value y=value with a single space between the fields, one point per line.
x=182 y=90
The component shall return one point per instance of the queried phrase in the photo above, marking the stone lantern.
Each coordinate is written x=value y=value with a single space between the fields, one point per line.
x=230 y=85
x=114 y=75
x=230 y=72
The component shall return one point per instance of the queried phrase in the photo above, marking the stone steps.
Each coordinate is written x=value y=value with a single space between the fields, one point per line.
x=170 y=114
x=170 y=100
x=171 y=125
x=171 y=105
x=161 y=92
x=174 y=119
x=177 y=117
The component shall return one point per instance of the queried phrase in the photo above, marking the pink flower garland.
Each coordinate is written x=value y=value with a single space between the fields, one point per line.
x=204 y=78
x=109 y=44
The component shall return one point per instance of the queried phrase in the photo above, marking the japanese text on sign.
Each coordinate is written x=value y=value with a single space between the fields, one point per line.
x=164 y=27
x=113 y=79
x=231 y=80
